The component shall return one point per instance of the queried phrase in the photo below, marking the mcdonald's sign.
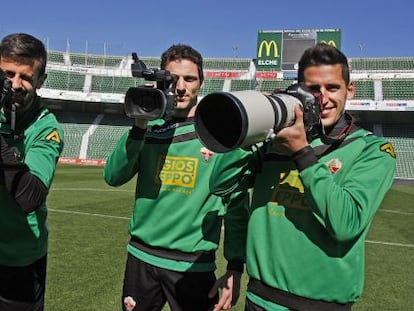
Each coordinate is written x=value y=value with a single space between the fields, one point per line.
x=332 y=37
x=280 y=50
x=268 y=45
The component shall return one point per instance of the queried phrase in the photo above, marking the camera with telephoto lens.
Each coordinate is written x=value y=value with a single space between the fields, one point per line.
x=6 y=91
x=149 y=102
x=227 y=120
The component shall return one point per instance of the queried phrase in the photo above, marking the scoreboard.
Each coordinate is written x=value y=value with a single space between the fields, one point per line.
x=280 y=50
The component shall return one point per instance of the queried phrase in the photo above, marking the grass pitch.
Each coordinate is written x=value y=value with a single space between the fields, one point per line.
x=88 y=223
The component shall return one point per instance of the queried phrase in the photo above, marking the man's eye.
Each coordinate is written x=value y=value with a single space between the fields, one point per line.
x=28 y=79
x=333 y=89
x=10 y=74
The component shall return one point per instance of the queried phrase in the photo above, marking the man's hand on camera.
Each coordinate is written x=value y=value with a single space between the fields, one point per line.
x=229 y=284
x=292 y=138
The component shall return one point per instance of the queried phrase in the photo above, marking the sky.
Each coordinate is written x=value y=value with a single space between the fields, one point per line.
x=217 y=28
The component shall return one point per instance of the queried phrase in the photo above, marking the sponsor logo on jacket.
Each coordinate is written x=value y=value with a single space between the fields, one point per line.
x=178 y=171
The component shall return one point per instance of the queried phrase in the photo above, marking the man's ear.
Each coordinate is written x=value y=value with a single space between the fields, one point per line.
x=41 y=80
x=350 y=90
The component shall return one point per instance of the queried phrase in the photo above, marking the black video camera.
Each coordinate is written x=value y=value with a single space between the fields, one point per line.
x=147 y=102
x=6 y=91
x=228 y=120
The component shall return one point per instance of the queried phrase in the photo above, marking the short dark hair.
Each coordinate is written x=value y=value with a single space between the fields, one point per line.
x=323 y=54
x=183 y=51
x=24 y=48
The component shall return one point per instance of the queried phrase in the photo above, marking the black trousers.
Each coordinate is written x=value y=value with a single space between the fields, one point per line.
x=23 y=288
x=149 y=288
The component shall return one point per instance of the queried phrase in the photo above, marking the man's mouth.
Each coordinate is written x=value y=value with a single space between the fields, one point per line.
x=326 y=111
x=19 y=97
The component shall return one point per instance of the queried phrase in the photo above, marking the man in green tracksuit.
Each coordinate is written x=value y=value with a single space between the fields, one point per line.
x=31 y=141
x=312 y=202
x=176 y=221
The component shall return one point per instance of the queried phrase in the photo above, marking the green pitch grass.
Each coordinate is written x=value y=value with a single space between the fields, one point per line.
x=88 y=223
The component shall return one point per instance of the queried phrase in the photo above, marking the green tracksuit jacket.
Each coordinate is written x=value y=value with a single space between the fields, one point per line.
x=174 y=209
x=307 y=229
x=23 y=236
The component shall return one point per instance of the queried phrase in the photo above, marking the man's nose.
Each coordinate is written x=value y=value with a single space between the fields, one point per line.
x=180 y=87
x=325 y=95
x=180 y=92
x=16 y=82
x=180 y=83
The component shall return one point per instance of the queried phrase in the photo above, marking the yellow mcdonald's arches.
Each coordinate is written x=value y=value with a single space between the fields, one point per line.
x=268 y=47
x=330 y=42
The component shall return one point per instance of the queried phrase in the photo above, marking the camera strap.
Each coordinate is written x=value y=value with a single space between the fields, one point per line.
x=19 y=124
x=12 y=121
x=337 y=136
x=343 y=128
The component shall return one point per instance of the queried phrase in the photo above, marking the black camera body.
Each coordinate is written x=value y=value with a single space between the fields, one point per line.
x=228 y=120
x=311 y=105
x=149 y=102
x=6 y=91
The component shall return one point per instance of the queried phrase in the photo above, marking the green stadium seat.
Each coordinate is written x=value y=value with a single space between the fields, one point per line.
x=364 y=89
x=55 y=57
x=402 y=139
x=242 y=84
x=271 y=85
x=224 y=64
x=382 y=64
x=397 y=89
x=211 y=85
x=64 y=80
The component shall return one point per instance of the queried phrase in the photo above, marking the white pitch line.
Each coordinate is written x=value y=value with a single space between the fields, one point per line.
x=396 y=212
x=389 y=243
x=124 y=190
x=91 y=189
x=128 y=218
x=87 y=214
x=131 y=191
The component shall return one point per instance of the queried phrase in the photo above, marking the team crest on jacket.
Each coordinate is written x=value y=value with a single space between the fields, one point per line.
x=54 y=136
x=388 y=148
x=206 y=154
x=129 y=303
x=334 y=166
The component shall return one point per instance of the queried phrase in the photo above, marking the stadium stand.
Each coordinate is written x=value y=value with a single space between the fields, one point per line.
x=398 y=89
x=403 y=140
x=55 y=57
x=74 y=126
x=65 y=80
x=364 y=89
x=89 y=60
x=382 y=64
x=223 y=64
x=96 y=84
x=104 y=140
x=105 y=84
x=242 y=84
x=211 y=85
x=271 y=85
